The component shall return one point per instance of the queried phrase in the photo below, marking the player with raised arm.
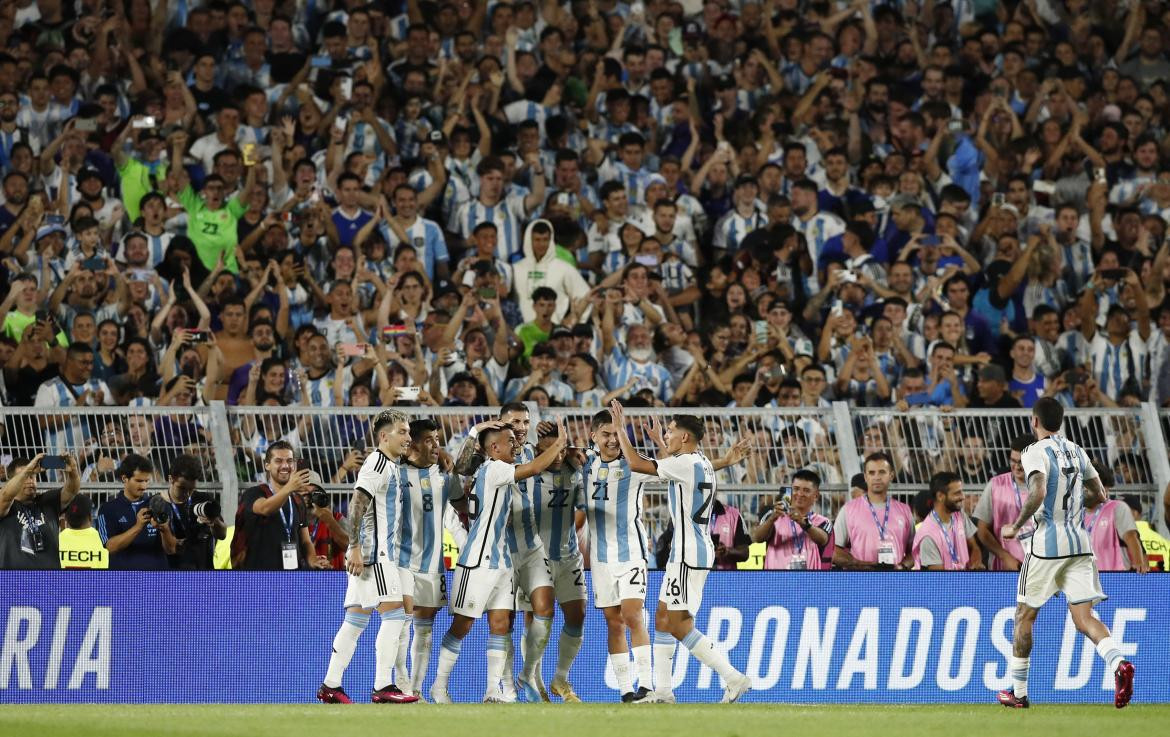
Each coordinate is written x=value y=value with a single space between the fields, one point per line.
x=1059 y=555
x=426 y=493
x=484 y=576
x=690 y=496
x=618 y=550
x=371 y=561
x=555 y=500
x=534 y=585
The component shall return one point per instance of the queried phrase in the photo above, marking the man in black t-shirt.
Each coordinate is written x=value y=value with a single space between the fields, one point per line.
x=29 y=526
x=271 y=531
x=196 y=534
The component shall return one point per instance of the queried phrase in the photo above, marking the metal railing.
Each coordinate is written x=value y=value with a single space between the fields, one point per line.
x=230 y=442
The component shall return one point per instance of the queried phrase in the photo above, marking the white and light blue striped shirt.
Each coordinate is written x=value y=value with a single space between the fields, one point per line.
x=1060 y=521
x=426 y=492
x=612 y=495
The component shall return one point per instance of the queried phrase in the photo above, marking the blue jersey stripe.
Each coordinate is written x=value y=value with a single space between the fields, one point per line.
x=1050 y=544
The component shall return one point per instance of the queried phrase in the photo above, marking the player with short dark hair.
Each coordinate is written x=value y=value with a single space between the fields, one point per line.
x=1061 y=480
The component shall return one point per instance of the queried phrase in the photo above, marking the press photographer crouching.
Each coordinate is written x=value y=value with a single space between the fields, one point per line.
x=325 y=529
x=196 y=517
x=29 y=526
x=136 y=528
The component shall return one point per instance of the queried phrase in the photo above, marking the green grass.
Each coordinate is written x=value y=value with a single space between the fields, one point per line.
x=707 y=720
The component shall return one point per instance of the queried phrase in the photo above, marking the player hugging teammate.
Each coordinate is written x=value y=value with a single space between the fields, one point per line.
x=522 y=554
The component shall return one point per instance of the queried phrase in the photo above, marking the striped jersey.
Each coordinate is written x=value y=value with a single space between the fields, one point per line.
x=555 y=500
x=489 y=508
x=507 y=215
x=1060 y=521
x=523 y=530
x=425 y=493
x=690 y=495
x=613 y=508
x=378 y=479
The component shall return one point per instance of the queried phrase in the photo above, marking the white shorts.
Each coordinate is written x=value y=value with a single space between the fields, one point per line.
x=430 y=590
x=1077 y=578
x=532 y=572
x=477 y=590
x=406 y=578
x=614 y=583
x=568 y=582
x=682 y=587
x=378 y=583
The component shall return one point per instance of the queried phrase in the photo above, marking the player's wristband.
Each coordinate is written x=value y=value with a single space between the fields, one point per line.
x=473 y=432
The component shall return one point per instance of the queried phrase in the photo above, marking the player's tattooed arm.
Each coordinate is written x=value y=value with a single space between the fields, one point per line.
x=1037 y=483
x=359 y=504
x=469 y=459
x=1094 y=492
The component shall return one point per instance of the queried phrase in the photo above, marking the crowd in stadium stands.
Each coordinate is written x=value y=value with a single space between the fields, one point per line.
x=731 y=203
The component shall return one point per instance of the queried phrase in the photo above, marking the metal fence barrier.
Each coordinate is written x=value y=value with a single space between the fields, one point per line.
x=230 y=443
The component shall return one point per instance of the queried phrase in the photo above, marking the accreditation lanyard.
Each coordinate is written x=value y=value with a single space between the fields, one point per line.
x=881 y=527
x=287 y=521
x=948 y=536
x=1093 y=523
x=798 y=537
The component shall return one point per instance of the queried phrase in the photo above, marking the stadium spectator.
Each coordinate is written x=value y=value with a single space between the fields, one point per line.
x=29 y=520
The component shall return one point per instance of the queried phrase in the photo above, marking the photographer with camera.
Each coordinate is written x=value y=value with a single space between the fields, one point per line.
x=134 y=527
x=29 y=526
x=325 y=529
x=798 y=538
x=272 y=532
x=195 y=517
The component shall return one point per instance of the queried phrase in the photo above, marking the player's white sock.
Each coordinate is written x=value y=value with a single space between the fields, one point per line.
x=664 y=646
x=386 y=646
x=401 y=673
x=344 y=643
x=1108 y=650
x=621 y=671
x=705 y=651
x=448 y=654
x=420 y=653
x=508 y=687
x=535 y=641
x=645 y=666
x=568 y=646
x=496 y=657
x=1019 y=672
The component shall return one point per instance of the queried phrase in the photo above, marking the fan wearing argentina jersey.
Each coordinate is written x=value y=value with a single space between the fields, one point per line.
x=506 y=211
x=484 y=577
x=618 y=548
x=1059 y=556
x=373 y=582
x=426 y=493
x=690 y=497
x=555 y=499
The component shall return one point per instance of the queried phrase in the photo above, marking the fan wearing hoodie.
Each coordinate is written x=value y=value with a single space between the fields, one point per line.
x=541 y=267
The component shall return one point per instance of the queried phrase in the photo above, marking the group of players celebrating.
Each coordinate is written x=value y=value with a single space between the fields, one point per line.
x=521 y=554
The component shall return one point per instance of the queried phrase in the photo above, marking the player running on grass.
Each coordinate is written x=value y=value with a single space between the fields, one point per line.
x=484 y=576
x=1061 y=479
x=373 y=581
x=690 y=496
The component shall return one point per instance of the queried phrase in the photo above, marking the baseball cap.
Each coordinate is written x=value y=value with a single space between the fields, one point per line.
x=88 y=173
x=444 y=288
x=47 y=230
x=745 y=179
x=725 y=82
x=992 y=372
x=561 y=332
x=581 y=331
x=692 y=31
x=315 y=480
x=900 y=201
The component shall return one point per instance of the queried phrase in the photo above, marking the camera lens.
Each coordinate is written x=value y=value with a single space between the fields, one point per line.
x=160 y=509
x=209 y=509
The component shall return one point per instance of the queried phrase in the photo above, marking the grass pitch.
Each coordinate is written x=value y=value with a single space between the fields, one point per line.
x=578 y=720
